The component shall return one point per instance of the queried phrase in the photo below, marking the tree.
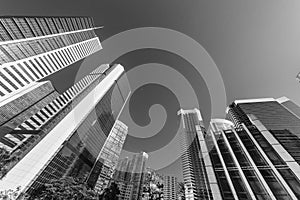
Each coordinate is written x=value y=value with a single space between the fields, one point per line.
x=110 y=193
x=6 y=159
x=63 y=189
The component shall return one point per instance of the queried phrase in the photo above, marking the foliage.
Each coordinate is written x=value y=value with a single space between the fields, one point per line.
x=10 y=194
x=6 y=159
x=110 y=193
x=63 y=189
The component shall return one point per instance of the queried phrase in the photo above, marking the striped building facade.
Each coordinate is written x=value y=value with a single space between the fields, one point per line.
x=249 y=163
x=32 y=48
x=55 y=135
x=76 y=126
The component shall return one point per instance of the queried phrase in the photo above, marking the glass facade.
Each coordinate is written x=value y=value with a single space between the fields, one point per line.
x=109 y=156
x=78 y=156
x=15 y=110
x=279 y=117
x=129 y=175
x=247 y=166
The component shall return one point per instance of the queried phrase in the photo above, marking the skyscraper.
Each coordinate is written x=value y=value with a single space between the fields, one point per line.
x=32 y=48
x=280 y=117
x=247 y=164
x=75 y=132
x=68 y=130
x=194 y=171
x=109 y=156
x=170 y=187
x=129 y=176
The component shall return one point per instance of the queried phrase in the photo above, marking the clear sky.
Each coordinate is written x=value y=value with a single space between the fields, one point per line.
x=255 y=45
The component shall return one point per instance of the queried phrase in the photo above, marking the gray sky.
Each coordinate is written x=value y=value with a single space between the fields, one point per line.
x=255 y=45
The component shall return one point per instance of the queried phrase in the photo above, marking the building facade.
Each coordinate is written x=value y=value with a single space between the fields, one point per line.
x=129 y=175
x=279 y=116
x=77 y=126
x=194 y=171
x=170 y=187
x=55 y=135
x=109 y=156
x=247 y=164
x=32 y=48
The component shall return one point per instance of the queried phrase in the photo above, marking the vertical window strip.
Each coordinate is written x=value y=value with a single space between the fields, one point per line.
x=31 y=69
x=54 y=60
x=34 y=26
x=4 y=33
x=66 y=56
x=51 y=61
x=20 y=74
x=10 y=84
x=17 y=80
x=51 y=25
x=55 y=106
x=34 y=66
x=37 y=119
x=40 y=117
x=62 y=58
x=40 y=67
x=46 y=65
x=26 y=71
x=10 y=52
x=56 y=56
x=23 y=26
x=58 y=25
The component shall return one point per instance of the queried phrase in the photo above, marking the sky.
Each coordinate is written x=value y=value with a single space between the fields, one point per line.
x=254 y=44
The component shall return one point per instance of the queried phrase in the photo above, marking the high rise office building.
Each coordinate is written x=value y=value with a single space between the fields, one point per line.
x=32 y=48
x=65 y=132
x=194 y=171
x=170 y=187
x=77 y=125
x=129 y=176
x=249 y=163
x=109 y=155
x=280 y=117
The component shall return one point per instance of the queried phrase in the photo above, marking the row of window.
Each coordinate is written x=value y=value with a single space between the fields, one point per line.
x=85 y=144
x=240 y=167
x=14 y=107
x=28 y=27
x=43 y=116
x=17 y=76
x=21 y=50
